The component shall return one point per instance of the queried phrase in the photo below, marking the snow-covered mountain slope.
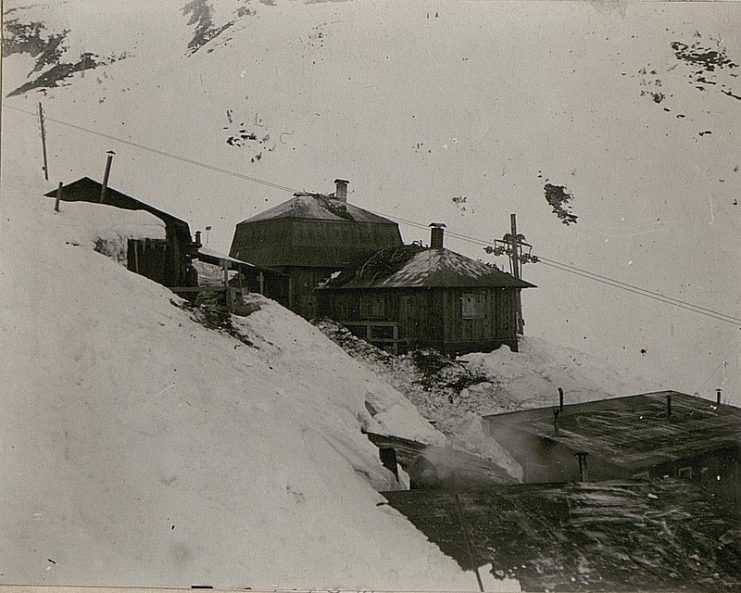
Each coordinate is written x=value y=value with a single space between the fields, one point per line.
x=138 y=447
x=435 y=112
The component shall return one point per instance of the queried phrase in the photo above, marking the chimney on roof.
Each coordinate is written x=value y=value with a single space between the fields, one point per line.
x=717 y=395
x=107 y=173
x=341 y=190
x=560 y=399
x=437 y=235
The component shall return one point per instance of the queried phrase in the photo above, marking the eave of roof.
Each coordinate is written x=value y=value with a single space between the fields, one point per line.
x=86 y=189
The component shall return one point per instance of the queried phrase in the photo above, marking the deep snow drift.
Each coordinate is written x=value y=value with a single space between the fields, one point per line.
x=455 y=393
x=138 y=447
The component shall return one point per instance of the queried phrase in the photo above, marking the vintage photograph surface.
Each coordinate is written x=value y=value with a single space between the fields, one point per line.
x=423 y=295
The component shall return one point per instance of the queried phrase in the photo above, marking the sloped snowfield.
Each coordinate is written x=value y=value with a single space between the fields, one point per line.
x=138 y=447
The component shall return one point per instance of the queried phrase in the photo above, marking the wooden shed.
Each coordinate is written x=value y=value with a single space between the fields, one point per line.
x=411 y=296
x=308 y=238
x=649 y=435
x=161 y=260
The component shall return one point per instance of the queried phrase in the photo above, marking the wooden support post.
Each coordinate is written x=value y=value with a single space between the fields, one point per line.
x=43 y=141
x=261 y=282
x=582 y=457
x=468 y=543
x=59 y=197
x=229 y=296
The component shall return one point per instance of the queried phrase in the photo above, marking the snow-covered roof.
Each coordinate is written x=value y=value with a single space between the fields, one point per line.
x=318 y=207
x=583 y=536
x=430 y=268
x=634 y=431
x=88 y=190
x=212 y=256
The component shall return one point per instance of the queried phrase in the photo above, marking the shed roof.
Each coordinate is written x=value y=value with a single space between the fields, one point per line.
x=430 y=466
x=635 y=431
x=88 y=190
x=606 y=536
x=318 y=207
x=412 y=266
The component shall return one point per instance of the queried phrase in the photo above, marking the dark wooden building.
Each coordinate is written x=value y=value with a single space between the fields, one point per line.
x=411 y=296
x=650 y=435
x=161 y=260
x=308 y=238
x=621 y=535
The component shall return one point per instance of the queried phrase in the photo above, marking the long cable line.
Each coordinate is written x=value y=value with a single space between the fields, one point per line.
x=546 y=261
x=162 y=152
x=714 y=315
x=599 y=278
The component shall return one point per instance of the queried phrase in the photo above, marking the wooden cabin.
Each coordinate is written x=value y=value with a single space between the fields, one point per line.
x=162 y=260
x=308 y=238
x=650 y=435
x=411 y=296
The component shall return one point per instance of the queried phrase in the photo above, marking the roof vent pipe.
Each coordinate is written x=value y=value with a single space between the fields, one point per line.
x=341 y=190
x=107 y=173
x=668 y=406
x=560 y=399
x=437 y=235
x=717 y=395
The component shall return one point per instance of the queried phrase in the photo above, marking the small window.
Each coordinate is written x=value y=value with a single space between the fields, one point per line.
x=684 y=473
x=372 y=306
x=382 y=332
x=472 y=306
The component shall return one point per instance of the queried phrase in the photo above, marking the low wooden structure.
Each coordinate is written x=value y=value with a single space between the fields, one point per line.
x=432 y=467
x=625 y=535
x=162 y=260
x=651 y=435
x=410 y=297
x=308 y=238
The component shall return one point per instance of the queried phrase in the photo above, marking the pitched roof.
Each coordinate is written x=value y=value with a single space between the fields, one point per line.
x=411 y=266
x=88 y=190
x=634 y=431
x=318 y=207
x=605 y=536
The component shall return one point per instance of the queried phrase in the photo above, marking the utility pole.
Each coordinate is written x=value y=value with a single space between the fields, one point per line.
x=43 y=141
x=515 y=259
x=512 y=245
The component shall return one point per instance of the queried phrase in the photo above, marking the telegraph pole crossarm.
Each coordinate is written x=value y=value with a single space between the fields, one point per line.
x=514 y=245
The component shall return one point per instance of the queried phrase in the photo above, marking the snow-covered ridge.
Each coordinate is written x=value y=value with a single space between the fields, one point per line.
x=140 y=448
